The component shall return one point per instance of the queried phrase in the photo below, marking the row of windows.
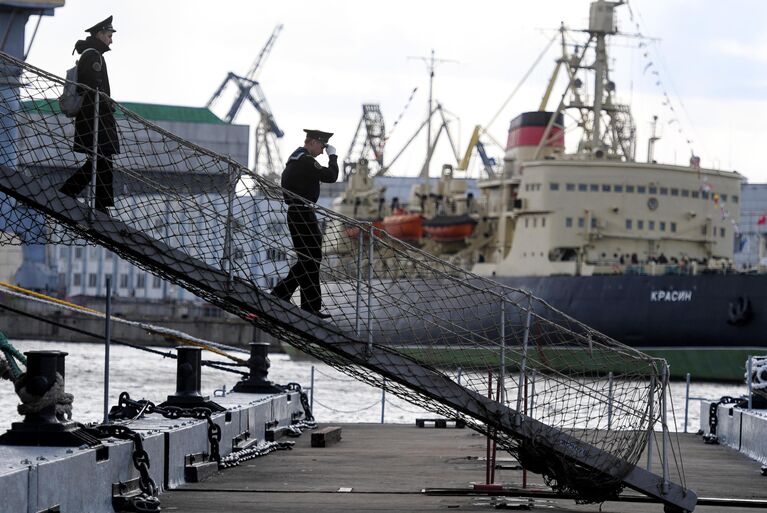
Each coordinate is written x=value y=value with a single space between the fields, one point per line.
x=632 y=189
x=77 y=280
x=639 y=224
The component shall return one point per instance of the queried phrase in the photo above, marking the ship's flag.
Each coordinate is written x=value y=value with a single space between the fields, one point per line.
x=762 y=219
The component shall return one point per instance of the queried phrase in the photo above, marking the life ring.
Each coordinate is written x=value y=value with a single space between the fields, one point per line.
x=739 y=312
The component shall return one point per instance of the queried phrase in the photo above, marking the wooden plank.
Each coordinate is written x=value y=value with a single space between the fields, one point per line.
x=326 y=436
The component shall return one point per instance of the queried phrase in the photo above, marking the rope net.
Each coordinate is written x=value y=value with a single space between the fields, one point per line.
x=419 y=319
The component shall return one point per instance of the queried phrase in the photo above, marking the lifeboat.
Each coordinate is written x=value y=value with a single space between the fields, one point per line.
x=445 y=228
x=404 y=225
x=352 y=231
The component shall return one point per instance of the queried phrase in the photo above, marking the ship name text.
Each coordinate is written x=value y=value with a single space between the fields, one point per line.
x=670 y=295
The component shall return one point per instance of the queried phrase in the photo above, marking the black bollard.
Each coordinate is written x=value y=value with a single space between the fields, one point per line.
x=188 y=381
x=43 y=428
x=259 y=370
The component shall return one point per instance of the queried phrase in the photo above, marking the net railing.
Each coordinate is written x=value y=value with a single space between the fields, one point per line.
x=398 y=302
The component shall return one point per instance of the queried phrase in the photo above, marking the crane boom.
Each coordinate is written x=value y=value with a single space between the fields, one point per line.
x=264 y=53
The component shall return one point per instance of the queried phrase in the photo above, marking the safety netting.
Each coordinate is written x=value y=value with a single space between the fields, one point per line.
x=568 y=401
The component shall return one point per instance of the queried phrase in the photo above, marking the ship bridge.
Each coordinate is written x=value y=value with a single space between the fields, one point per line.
x=567 y=401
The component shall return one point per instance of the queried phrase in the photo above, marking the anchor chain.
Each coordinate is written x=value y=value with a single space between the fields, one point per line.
x=233 y=459
x=147 y=500
x=296 y=387
x=128 y=408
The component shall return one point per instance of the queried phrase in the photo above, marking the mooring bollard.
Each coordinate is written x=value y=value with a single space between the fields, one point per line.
x=259 y=370
x=189 y=381
x=41 y=426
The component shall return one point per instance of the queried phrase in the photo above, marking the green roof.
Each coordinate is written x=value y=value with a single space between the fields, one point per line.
x=150 y=111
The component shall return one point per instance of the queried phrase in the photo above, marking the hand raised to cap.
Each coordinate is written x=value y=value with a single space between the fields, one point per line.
x=330 y=150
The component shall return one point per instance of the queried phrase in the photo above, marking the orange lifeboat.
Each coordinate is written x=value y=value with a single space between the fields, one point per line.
x=404 y=225
x=444 y=228
x=352 y=231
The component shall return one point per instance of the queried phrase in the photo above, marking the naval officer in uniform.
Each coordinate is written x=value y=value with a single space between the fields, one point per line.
x=302 y=177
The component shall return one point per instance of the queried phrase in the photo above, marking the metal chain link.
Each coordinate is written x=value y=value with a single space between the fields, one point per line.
x=128 y=408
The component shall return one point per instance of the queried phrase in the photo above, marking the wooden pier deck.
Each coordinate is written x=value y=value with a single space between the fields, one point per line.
x=386 y=467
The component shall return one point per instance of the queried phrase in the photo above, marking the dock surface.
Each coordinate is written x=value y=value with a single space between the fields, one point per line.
x=385 y=467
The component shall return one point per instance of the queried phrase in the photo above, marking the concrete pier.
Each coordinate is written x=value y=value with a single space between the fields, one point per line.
x=386 y=468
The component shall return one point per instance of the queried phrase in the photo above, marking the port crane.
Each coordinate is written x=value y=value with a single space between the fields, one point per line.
x=267 y=160
x=369 y=138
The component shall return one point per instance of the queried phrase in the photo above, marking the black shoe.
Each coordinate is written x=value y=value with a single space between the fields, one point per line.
x=103 y=210
x=321 y=315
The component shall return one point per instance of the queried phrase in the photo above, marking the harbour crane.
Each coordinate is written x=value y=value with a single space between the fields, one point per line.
x=489 y=163
x=267 y=159
x=370 y=137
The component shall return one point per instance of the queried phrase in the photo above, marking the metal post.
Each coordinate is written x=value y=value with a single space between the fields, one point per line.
x=370 y=289
x=651 y=415
x=686 y=400
x=749 y=380
x=360 y=239
x=502 y=374
x=107 y=337
x=383 y=400
x=664 y=427
x=458 y=377
x=532 y=392
x=311 y=389
x=609 y=400
x=525 y=339
x=94 y=161
x=229 y=223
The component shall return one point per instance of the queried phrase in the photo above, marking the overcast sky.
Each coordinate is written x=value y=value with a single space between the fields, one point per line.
x=333 y=56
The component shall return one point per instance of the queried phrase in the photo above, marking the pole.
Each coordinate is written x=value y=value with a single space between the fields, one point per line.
x=94 y=161
x=229 y=222
x=370 y=290
x=664 y=427
x=609 y=400
x=502 y=370
x=749 y=381
x=359 y=281
x=107 y=336
x=652 y=422
x=686 y=400
x=383 y=400
x=525 y=339
x=487 y=451
x=311 y=389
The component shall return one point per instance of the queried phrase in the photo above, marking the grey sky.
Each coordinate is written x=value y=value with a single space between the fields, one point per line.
x=334 y=55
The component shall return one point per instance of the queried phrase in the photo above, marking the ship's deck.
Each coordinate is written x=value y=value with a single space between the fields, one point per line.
x=387 y=467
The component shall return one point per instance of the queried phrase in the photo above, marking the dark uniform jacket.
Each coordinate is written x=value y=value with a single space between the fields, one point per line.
x=92 y=71
x=303 y=175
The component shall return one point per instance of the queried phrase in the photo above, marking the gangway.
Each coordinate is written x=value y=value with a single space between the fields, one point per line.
x=574 y=405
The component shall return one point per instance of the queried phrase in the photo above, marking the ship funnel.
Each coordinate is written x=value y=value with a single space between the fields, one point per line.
x=528 y=130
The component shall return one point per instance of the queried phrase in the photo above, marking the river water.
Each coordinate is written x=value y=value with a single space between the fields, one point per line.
x=337 y=397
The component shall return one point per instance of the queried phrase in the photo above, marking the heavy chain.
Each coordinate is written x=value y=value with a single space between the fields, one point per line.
x=148 y=500
x=295 y=387
x=261 y=449
x=128 y=408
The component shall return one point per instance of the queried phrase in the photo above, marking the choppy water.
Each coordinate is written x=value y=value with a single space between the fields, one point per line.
x=337 y=398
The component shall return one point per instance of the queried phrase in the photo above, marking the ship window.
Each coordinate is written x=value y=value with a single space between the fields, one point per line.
x=674 y=192
x=662 y=226
x=124 y=280
x=703 y=230
x=723 y=197
x=543 y=222
x=141 y=281
x=568 y=222
x=535 y=222
x=721 y=232
x=594 y=187
x=651 y=225
x=629 y=188
x=640 y=224
x=734 y=198
x=570 y=186
x=618 y=188
x=526 y=222
x=685 y=193
x=78 y=253
x=77 y=279
x=605 y=187
x=554 y=186
x=628 y=224
x=593 y=222
x=704 y=194
x=156 y=282
x=582 y=187
x=653 y=189
x=664 y=191
x=694 y=194
x=641 y=189
x=581 y=222
x=673 y=227
x=91 y=279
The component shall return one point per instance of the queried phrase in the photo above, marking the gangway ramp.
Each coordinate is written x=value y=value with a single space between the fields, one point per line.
x=574 y=405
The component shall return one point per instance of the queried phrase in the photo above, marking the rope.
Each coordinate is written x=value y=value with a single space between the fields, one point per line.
x=336 y=410
x=213 y=347
x=222 y=366
x=8 y=358
x=31 y=403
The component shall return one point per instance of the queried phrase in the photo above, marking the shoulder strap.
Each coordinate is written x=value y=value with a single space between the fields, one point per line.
x=101 y=59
